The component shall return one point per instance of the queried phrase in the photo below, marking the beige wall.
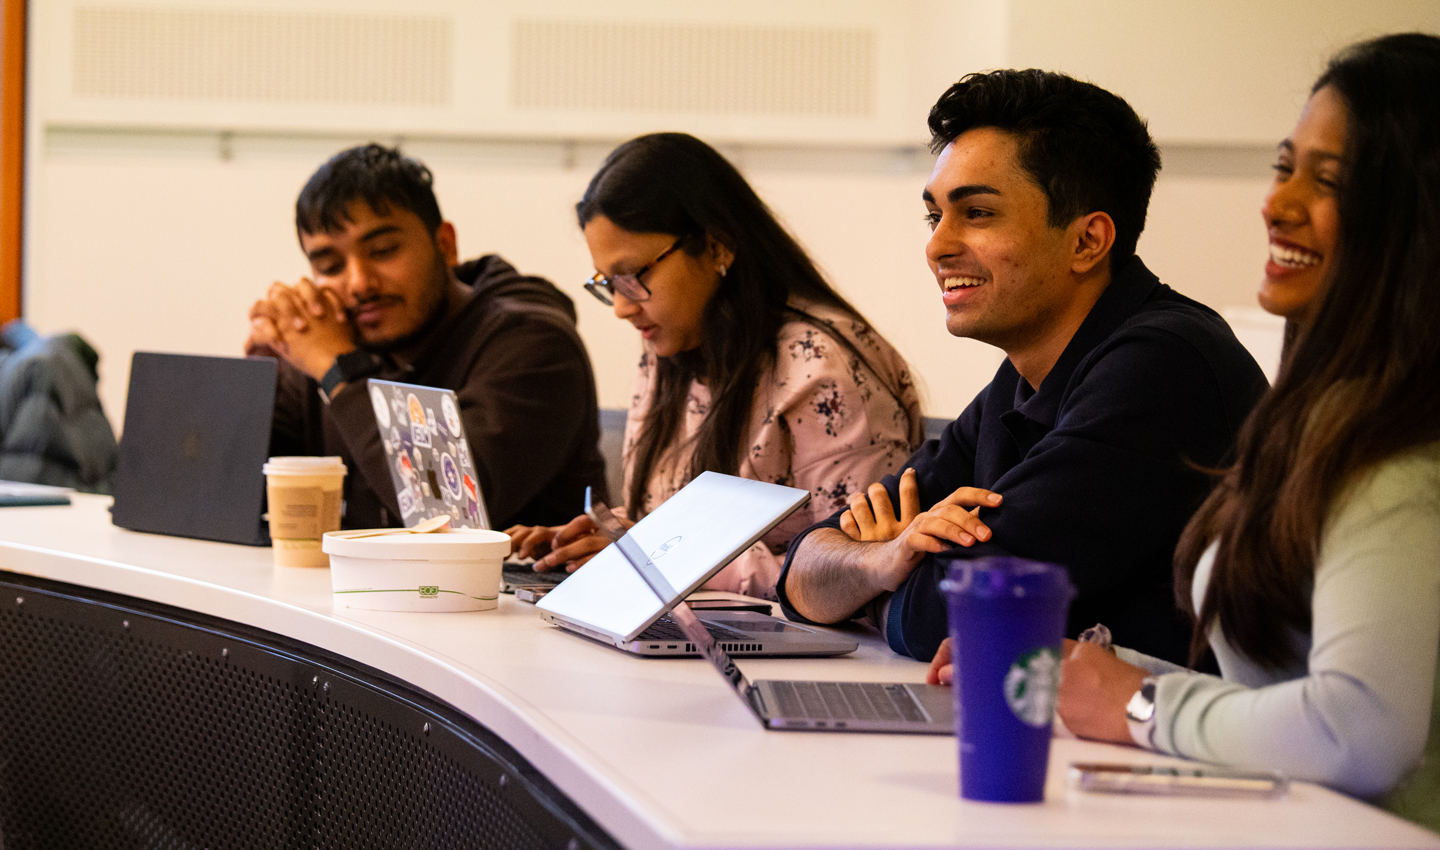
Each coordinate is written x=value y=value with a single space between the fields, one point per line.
x=150 y=240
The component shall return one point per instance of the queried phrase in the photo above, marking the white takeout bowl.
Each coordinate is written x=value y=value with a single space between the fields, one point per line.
x=455 y=570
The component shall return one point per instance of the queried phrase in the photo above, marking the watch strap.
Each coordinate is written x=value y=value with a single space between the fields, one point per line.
x=348 y=367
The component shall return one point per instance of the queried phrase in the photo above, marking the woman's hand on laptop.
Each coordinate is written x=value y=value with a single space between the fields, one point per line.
x=570 y=545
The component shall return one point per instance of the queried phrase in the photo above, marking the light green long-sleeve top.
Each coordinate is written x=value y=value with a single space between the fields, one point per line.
x=1361 y=711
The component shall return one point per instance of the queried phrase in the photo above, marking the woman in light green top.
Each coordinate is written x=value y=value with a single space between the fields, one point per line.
x=1313 y=569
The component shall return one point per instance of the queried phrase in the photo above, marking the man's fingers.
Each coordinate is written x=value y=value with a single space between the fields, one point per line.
x=880 y=504
x=286 y=306
x=311 y=300
x=968 y=521
x=335 y=304
x=909 y=496
x=864 y=519
x=847 y=525
x=940 y=529
x=971 y=497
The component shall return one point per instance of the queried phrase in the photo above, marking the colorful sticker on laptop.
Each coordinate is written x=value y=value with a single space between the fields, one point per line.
x=408 y=503
x=417 y=410
x=420 y=435
x=450 y=475
x=471 y=492
x=452 y=416
x=382 y=408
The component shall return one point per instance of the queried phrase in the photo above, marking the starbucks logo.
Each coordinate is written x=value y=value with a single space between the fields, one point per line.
x=1031 y=684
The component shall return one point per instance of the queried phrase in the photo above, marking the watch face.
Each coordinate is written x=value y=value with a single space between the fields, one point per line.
x=1142 y=704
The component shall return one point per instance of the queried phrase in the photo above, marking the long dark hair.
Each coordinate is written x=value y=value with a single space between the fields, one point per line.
x=1358 y=385
x=676 y=184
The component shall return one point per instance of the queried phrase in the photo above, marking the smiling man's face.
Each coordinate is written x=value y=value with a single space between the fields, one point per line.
x=1002 y=269
x=390 y=272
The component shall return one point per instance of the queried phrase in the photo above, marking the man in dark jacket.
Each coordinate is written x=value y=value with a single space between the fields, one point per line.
x=1086 y=448
x=388 y=300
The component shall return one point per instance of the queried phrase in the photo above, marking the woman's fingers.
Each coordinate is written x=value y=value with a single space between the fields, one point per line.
x=526 y=541
x=575 y=529
x=941 y=672
x=579 y=550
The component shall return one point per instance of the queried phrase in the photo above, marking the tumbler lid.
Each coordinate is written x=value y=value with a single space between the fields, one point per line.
x=1006 y=578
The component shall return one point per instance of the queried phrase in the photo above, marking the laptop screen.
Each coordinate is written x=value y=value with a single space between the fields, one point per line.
x=429 y=457
x=197 y=430
x=689 y=538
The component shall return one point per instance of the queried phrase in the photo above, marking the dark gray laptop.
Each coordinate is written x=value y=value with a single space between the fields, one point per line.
x=197 y=432
x=788 y=705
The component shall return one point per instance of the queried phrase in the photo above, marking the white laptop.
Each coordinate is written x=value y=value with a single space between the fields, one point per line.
x=689 y=538
x=790 y=705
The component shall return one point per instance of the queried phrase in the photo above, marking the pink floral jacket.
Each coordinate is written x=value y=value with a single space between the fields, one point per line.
x=823 y=420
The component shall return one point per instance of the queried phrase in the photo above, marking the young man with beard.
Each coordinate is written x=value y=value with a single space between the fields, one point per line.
x=387 y=300
x=1087 y=448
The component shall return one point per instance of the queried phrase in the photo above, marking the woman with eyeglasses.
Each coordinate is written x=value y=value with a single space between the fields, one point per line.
x=753 y=364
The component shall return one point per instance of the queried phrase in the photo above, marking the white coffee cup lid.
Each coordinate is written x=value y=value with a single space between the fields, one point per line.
x=457 y=544
x=304 y=466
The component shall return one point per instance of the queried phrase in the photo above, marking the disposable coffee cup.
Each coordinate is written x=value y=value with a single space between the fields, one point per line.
x=304 y=494
x=1007 y=618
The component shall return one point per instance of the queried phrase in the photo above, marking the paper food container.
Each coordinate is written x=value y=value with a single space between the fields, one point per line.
x=456 y=570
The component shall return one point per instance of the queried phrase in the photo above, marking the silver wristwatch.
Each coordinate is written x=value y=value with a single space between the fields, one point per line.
x=1140 y=714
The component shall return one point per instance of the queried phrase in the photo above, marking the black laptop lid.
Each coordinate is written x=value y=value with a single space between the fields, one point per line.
x=197 y=432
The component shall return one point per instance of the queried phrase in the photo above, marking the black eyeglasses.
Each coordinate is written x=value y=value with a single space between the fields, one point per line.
x=628 y=285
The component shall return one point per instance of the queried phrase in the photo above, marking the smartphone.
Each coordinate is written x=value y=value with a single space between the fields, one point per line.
x=729 y=605
x=1161 y=780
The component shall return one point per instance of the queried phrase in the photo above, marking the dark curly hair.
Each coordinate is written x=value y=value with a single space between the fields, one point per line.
x=372 y=173
x=1084 y=147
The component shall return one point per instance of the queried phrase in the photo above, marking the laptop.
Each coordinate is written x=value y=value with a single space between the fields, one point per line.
x=690 y=537
x=429 y=458
x=432 y=468
x=197 y=433
x=790 y=705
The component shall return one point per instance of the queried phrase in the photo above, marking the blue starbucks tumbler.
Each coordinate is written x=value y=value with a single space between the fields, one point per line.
x=1007 y=617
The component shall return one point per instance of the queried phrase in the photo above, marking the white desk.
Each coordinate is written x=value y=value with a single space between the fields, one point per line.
x=607 y=728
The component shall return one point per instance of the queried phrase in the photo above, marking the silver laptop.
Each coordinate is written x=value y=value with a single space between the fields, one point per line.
x=427 y=453
x=789 y=705
x=690 y=537
x=432 y=468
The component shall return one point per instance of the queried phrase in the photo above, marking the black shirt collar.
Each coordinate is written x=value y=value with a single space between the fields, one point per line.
x=1129 y=287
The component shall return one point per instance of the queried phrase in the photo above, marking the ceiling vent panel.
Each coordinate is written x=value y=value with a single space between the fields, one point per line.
x=261 y=56
x=693 y=67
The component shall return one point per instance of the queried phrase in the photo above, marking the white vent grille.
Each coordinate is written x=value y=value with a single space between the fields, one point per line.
x=714 y=68
x=170 y=54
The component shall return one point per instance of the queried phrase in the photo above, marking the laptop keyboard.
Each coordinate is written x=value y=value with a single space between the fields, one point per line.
x=666 y=628
x=846 y=701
